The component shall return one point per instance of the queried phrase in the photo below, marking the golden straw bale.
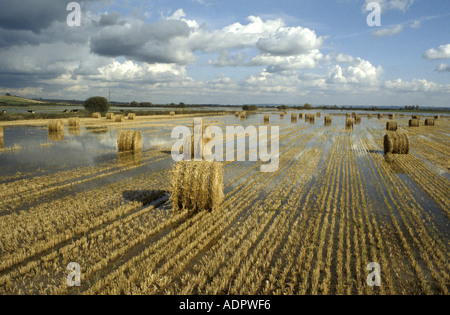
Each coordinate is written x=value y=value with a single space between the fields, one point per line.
x=429 y=122
x=243 y=115
x=131 y=116
x=310 y=118
x=437 y=117
x=396 y=143
x=318 y=115
x=357 y=119
x=327 y=120
x=392 y=126
x=110 y=116
x=197 y=186
x=380 y=116
x=392 y=116
x=282 y=116
x=300 y=116
x=74 y=122
x=120 y=118
x=293 y=118
x=237 y=114
x=96 y=115
x=266 y=119
x=349 y=123
x=369 y=116
x=347 y=115
x=129 y=140
x=172 y=114
x=416 y=117
x=55 y=125
x=414 y=123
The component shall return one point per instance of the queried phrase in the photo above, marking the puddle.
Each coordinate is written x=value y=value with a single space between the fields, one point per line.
x=26 y=148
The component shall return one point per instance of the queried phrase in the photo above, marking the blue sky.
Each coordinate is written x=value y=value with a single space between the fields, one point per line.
x=229 y=52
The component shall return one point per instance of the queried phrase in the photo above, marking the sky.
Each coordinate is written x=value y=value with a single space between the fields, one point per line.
x=321 y=52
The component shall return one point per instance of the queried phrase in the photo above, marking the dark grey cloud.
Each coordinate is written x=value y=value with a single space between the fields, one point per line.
x=113 y=18
x=160 y=42
x=33 y=15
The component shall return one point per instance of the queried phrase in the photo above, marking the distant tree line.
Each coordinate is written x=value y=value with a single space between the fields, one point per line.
x=250 y=108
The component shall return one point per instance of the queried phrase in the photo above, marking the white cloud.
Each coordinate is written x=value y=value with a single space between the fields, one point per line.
x=443 y=67
x=416 y=85
x=283 y=63
x=388 y=31
x=443 y=52
x=361 y=72
x=130 y=71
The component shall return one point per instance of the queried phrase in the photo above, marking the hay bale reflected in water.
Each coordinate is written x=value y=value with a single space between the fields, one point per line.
x=56 y=135
x=75 y=131
x=97 y=130
x=129 y=158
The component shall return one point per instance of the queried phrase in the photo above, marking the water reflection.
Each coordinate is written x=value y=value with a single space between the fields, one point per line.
x=75 y=131
x=130 y=158
x=56 y=135
x=97 y=130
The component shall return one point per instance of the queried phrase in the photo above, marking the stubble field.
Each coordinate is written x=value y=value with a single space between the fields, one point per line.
x=334 y=206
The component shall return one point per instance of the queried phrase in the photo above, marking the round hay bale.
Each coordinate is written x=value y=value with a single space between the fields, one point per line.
x=414 y=123
x=74 y=122
x=293 y=118
x=380 y=116
x=347 y=115
x=243 y=115
x=97 y=115
x=55 y=125
x=429 y=122
x=349 y=122
x=129 y=140
x=310 y=118
x=55 y=135
x=282 y=116
x=318 y=115
x=392 y=116
x=237 y=114
x=300 y=116
x=172 y=114
x=353 y=115
x=197 y=186
x=357 y=119
x=369 y=116
x=437 y=117
x=131 y=116
x=120 y=118
x=327 y=120
x=110 y=116
x=266 y=119
x=396 y=143
x=392 y=126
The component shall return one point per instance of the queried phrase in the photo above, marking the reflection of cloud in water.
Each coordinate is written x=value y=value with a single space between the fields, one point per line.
x=159 y=142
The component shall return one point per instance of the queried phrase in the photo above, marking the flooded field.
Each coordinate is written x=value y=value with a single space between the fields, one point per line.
x=334 y=206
